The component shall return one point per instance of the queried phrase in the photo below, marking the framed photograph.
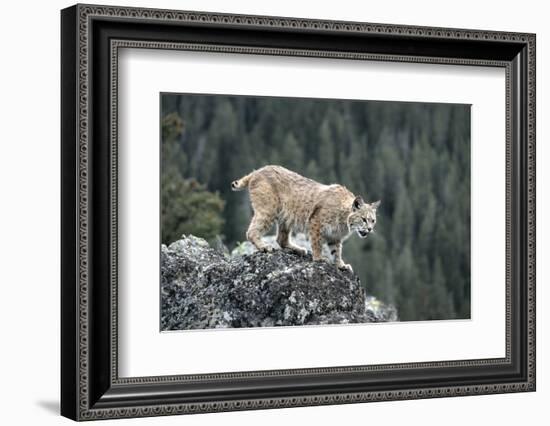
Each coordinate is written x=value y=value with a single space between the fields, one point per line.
x=263 y=212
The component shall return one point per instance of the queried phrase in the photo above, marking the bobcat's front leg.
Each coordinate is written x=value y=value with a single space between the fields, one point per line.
x=315 y=237
x=336 y=251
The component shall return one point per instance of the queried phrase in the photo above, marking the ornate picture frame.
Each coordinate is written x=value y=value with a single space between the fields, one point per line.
x=91 y=37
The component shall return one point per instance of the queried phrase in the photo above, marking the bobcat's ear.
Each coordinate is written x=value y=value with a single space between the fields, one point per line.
x=358 y=202
x=375 y=204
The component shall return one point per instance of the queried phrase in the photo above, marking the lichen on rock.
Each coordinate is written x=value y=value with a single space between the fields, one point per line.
x=201 y=288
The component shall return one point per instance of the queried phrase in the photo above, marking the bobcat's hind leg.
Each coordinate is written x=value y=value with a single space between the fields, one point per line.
x=257 y=229
x=264 y=204
x=283 y=239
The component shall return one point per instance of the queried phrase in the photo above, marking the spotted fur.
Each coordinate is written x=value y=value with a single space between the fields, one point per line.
x=327 y=213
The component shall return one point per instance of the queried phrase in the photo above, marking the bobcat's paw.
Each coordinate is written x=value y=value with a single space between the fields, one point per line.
x=298 y=250
x=267 y=249
x=345 y=266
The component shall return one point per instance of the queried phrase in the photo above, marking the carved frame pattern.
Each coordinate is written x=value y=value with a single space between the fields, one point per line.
x=85 y=409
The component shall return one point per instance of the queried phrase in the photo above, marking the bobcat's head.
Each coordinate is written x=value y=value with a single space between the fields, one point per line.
x=362 y=217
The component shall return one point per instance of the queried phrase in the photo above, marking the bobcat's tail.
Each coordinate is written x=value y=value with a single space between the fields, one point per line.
x=241 y=184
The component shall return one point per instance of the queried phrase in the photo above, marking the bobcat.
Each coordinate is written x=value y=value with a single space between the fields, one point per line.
x=328 y=213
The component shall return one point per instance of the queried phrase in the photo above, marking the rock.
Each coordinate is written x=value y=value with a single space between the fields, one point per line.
x=300 y=239
x=202 y=288
x=381 y=311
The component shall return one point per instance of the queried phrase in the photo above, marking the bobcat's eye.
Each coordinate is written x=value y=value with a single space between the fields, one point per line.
x=364 y=220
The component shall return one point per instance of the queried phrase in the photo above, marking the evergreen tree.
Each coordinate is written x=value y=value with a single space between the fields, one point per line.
x=403 y=219
x=442 y=303
x=292 y=153
x=188 y=208
x=326 y=153
x=411 y=299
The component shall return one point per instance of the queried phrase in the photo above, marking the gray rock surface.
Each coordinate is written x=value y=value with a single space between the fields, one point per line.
x=202 y=288
x=300 y=239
